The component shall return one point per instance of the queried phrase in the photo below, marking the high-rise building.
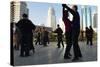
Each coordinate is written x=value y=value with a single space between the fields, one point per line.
x=81 y=18
x=17 y=10
x=95 y=20
x=86 y=20
x=51 y=21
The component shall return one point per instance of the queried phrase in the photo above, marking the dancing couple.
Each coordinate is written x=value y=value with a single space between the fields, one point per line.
x=72 y=31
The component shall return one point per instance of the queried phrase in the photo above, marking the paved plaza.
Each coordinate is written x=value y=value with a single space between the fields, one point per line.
x=51 y=54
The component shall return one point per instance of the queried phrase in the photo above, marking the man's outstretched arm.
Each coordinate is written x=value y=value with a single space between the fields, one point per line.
x=63 y=13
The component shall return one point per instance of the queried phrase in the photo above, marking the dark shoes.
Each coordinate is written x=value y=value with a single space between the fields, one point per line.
x=58 y=47
x=63 y=45
x=26 y=55
x=21 y=55
x=67 y=57
x=33 y=51
x=75 y=59
x=69 y=54
x=80 y=56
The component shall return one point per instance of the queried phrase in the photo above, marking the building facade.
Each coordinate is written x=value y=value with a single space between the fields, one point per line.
x=17 y=10
x=95 y=20
x=51 y=18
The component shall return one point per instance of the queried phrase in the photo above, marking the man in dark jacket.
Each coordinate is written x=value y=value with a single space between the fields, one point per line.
x=75 y=31
x=59 y=36
x=26 y=27
x=87 y=35
x=38 y=40
x=91 y=35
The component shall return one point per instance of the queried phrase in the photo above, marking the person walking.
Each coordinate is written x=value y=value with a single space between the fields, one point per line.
x=87 y=35
x=59 y=36
x=38 y=41
x=91 y=35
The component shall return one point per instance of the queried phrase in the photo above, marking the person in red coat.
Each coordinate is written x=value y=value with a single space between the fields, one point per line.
x=68 y=33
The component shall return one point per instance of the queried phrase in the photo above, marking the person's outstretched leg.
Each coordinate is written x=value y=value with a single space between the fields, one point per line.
x=39 y=42
x=27 y=51
x=76 y=48
x=91 y=42
x=36 y=42
x=68 y=46
x=87 y=41
x=22 y=51
x=62 y=42
x=58 y=42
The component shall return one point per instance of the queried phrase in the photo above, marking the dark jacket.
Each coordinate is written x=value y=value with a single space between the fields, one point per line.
x=76 y=18
x=58 y=31
x=25 y=26
x=45 y=36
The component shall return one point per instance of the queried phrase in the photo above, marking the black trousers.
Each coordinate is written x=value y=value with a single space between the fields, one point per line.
x=76 y=48
x=30 y=43
x=45 y=40
x=90 y=40
x=38 y=41
x=60 y=40
x=87 y=42
x=24 y=46
x=68 y=37
x=24 y=50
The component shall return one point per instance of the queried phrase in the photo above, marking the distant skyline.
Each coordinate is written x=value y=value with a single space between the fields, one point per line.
x=38 y=12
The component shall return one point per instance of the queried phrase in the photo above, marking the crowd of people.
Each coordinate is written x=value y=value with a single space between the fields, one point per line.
x=42 y=36
x=72 y=31
x=89 y=35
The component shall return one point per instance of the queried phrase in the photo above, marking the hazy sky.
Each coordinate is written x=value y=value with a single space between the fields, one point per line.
x=38 y=12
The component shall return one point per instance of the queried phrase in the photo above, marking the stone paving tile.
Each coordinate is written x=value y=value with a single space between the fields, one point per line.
x=51 y=54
